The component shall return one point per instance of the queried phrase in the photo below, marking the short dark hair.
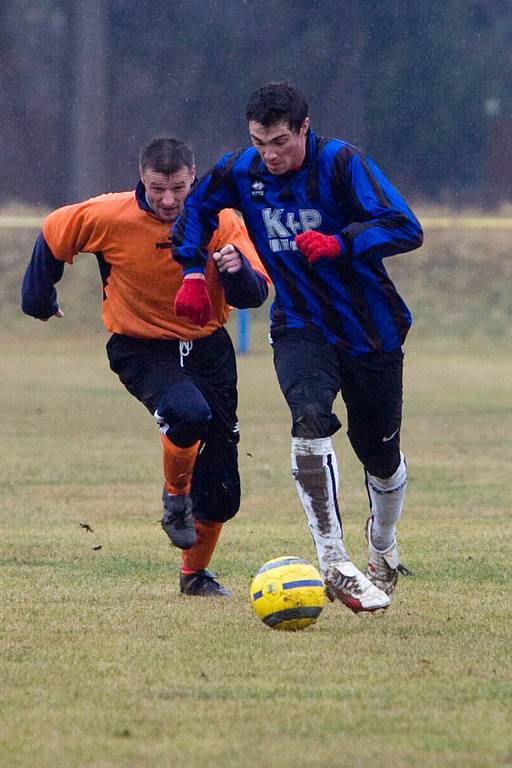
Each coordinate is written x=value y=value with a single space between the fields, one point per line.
x=166 y=155
x=276 y=102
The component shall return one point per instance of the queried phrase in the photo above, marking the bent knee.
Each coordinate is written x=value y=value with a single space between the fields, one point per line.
x=381 y=466
x=183 y=414
x=312 y=420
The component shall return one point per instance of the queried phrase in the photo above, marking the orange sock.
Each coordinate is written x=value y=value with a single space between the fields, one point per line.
x=178 y=466
x=198 y=557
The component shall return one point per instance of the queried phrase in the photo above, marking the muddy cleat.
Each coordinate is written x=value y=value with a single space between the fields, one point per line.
x=344 y=582
x=202 y=583
x=383 y=567
x=177 y=521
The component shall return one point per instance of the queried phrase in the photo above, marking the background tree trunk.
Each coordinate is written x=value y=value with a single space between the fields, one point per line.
x=87 y=158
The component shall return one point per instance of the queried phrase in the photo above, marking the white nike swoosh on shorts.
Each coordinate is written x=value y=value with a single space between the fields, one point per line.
x=387 y=439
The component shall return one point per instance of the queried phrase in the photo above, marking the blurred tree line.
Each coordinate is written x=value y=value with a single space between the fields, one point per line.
x=425 y=88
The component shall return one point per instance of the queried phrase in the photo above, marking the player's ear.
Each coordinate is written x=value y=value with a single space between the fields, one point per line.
x=304 y=127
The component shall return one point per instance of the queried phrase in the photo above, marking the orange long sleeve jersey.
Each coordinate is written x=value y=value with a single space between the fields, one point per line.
x=140 y=277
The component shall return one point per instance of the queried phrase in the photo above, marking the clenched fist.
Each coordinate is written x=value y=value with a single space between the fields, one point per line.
x=228 y=259
x=314 y=245
x=193 y=301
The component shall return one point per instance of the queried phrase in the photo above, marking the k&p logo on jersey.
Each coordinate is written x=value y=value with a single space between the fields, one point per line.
x=282 y=229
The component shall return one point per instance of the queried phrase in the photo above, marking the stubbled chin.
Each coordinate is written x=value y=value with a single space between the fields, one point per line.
x=278 y=170
x=168 y=217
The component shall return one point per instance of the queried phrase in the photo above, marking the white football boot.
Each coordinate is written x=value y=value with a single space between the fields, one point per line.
x=344 y=582
x=383 y=567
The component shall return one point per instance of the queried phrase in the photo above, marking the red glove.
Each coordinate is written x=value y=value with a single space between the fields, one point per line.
x=192 y=301
x=316 y=246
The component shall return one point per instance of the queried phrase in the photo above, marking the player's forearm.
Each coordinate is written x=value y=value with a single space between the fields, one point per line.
x=38 y=294
x=191 y=235
x=395 y=232
x=199 y=218
x=246 y=288
x=382 y=223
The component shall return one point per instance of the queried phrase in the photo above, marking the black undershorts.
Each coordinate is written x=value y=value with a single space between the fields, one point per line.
x=149 y=367
x=311 y=372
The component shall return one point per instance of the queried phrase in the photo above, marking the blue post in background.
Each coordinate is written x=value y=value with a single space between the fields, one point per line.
x=243 y=331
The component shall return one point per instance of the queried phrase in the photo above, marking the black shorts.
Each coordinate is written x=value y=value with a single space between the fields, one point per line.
x=311 y=372
x=149 y=368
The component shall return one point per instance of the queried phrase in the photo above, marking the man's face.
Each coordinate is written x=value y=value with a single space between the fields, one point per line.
x=280 y=148
x=166 y=194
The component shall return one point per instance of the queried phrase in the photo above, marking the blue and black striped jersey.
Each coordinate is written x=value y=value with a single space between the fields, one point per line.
x=337 y=191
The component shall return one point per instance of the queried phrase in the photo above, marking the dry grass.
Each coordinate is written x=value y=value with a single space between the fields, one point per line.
x=104 y=664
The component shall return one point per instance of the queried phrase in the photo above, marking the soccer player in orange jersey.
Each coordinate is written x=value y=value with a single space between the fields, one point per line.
x=183 y=369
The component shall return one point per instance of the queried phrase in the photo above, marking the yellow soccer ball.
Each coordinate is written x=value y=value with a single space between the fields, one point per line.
x=287 y=593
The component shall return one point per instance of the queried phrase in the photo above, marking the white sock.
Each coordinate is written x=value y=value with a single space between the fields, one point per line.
x=386 y=504
x=315 y=470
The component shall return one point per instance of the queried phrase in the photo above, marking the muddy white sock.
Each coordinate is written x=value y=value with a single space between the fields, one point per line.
x=315 y=470
x=386 y=504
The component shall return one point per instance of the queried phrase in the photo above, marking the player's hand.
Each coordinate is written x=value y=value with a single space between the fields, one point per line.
x=58 y=313
x=228 y=259
x=316 y=246
x=193 y=301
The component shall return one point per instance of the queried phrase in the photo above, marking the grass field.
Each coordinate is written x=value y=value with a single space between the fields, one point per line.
x=103 y=664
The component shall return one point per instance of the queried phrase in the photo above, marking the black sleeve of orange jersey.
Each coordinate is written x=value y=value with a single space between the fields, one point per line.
x=246 y=288
x=38 y=294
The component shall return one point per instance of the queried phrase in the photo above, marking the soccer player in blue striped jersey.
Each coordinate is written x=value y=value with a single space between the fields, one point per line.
x=322 y=216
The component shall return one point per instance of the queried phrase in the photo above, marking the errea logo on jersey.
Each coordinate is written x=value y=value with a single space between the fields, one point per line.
x=257 y=188
x=282 y=230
